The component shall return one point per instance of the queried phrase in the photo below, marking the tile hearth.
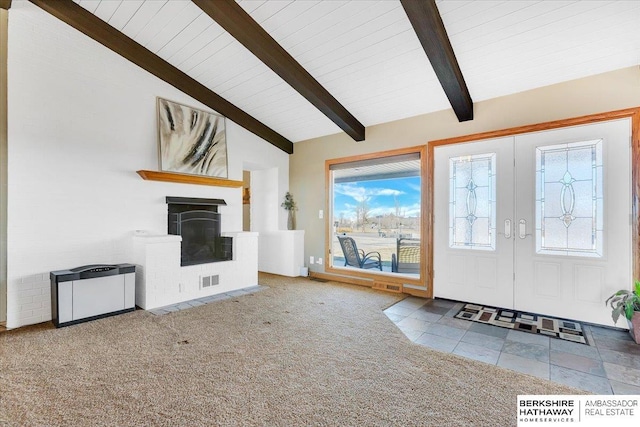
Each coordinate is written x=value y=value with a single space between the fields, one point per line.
x=206 y=300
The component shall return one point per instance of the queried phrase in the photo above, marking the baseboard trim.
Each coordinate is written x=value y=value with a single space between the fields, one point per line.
x=341 y=279
x=395 y=288
x=422 y=293
x=379 y=285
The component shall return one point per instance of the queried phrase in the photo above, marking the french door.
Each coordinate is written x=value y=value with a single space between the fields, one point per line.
x=537 y=222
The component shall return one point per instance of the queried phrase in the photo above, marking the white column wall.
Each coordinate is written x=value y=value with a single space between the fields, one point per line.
x=265 y=201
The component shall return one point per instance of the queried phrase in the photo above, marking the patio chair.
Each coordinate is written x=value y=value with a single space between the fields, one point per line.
x=407 y=256
x=356 y=257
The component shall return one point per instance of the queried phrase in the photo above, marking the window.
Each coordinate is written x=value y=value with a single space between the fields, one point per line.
x=569 y=199
x=375 y=205
x=472 y=202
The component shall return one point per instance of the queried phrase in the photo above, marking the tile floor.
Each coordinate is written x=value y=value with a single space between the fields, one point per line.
x=609 y=365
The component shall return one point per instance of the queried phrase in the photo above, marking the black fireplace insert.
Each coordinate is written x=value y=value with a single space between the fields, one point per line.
x=198 y=222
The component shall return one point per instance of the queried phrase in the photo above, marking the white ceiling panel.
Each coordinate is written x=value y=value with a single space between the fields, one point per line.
x=184 y=37
x=106 y=9
x=267 y=9
x=225 y=56
x=360 y=50
x=369 y=43
x=124 y=12
x=542 y=43
x=338 y=29
x=366 y=53
x=298 y=16
x=281 y=13
x=141 y=17
x=164 y=19
x=90 y=5
x=446 y=6
x=211 y=39
x=482 y=33
x=178 y=24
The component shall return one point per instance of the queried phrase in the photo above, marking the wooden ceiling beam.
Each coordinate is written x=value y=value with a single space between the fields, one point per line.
x=230 y=16
x=5 y=4
x=427 y=23
x=94 y=27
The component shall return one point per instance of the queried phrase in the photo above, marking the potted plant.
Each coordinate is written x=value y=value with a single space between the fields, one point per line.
x=290 y=206
x=628 y=303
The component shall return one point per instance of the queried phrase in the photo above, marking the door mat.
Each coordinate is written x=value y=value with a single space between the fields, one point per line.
x=534 y=323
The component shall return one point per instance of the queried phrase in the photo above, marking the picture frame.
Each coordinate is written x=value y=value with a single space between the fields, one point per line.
x=191 y=141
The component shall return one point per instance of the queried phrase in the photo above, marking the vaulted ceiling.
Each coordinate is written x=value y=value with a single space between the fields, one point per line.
x=368 y=55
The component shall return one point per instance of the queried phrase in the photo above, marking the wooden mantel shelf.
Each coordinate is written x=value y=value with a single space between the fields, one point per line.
x=188 y=179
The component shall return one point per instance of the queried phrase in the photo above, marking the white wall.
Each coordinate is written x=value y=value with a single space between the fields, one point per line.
x=282 y=252
x=265 y=199
x=590 y=95
x=82 y=120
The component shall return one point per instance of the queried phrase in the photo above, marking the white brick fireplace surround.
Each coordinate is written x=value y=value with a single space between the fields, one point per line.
x=161 y=281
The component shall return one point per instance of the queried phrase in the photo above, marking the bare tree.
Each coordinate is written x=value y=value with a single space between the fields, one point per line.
x=397 y=203
x=362 y=212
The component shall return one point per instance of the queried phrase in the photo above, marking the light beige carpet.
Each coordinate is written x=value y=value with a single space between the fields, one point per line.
x=299 y=353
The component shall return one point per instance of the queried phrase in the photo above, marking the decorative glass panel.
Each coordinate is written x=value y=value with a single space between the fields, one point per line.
x=569 y=199
x=472 y=202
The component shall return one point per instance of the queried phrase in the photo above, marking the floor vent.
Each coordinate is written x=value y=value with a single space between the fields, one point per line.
x=386 y=286
x=208 y=281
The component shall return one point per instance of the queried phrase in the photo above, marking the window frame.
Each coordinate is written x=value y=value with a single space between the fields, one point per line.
x=631 y=113
x=368 y=275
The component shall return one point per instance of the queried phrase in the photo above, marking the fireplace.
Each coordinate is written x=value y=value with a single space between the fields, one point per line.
x=198 y=222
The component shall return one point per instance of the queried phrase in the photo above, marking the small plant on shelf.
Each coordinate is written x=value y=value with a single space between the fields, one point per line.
x=290 y=206
x=289 y=203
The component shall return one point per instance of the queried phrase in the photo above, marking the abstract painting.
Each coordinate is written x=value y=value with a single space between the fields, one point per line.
x=191 y=141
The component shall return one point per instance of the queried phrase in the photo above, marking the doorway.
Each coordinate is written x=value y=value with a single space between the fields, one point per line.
x=246 y=200
x=537 y=222
x=3 y=165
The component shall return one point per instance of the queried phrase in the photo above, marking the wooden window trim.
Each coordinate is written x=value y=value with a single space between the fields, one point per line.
x=427 y=187
x=363 y=274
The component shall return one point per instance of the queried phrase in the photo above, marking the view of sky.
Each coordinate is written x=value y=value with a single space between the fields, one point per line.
x=381 y=196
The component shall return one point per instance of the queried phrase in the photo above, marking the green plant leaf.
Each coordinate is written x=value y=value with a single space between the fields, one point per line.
x=613 y=300
x=628 y=310
x=615 y=313
x=625 y=301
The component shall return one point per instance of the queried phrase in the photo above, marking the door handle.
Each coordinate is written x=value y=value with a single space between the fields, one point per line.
x=507 y=229
x=522 y=229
